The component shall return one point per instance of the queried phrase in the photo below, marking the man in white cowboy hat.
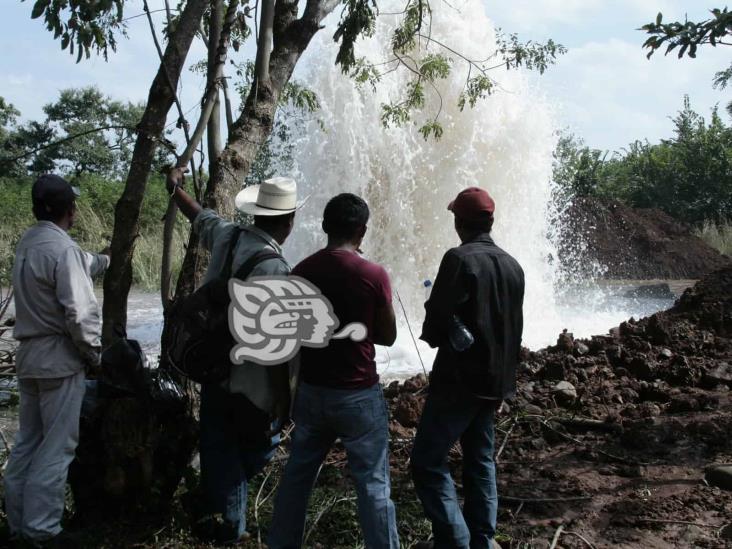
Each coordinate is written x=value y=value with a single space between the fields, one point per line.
x=236 y=417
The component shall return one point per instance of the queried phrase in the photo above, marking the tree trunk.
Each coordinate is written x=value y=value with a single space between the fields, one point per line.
x=290 y=38
x=118 y=279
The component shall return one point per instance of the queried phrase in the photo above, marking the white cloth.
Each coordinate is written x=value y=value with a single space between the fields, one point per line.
x=267 y=387
x=57 y=314
x=35 y=478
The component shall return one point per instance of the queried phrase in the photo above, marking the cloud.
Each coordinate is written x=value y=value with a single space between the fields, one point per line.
x=611 y=94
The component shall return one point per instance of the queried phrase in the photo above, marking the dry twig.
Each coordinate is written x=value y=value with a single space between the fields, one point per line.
x=555 y=539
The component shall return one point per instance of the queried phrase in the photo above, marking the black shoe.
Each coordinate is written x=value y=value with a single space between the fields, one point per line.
x=424 y=545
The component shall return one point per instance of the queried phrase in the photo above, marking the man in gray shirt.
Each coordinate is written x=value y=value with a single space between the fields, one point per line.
x=236 y=416
x=58 y=327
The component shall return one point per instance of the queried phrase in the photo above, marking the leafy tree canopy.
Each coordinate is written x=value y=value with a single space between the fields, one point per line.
x=90 y=25
x=84 y=132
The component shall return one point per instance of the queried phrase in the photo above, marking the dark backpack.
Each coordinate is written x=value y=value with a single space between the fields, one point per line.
x=199 y=340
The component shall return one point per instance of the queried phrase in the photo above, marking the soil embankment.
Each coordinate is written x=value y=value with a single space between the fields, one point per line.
x=634 y=243
x=610 y=437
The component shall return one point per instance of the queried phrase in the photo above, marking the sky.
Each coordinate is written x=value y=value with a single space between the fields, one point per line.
x=603 y=90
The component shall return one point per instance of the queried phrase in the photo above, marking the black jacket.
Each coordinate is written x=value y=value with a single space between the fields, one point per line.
x=484 y=286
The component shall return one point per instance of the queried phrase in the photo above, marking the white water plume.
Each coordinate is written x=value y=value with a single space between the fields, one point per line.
x=504 y=144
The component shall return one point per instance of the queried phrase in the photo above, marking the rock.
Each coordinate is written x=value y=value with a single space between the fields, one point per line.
x=719 y=475
x=391 y=390
x=533 y=409
x=648 y=409
x=665 y=353
x=414 y=383
x=655 y=291
x=565 y=391
x=726 y=532
x=408 y=410
x=722 y=374
x=614 y=354
x=396 y=430
x=642 y=368
x=565 y=342
x=553 y=370
x=581 y=349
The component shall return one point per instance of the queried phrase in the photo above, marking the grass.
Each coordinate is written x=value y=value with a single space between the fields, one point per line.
x=717 y=235
x=93 y=227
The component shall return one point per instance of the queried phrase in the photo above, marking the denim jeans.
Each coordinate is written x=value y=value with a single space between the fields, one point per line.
x=451 y=414
x=359 y=419
x=235 y=445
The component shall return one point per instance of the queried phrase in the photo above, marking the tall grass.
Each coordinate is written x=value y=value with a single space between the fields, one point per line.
x=717 y=235
x=93 y=226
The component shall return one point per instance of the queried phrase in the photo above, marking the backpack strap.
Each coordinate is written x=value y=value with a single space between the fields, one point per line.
x=247 y=267
x=226 y=272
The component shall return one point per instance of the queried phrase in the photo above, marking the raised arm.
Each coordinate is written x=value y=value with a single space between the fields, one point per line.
x=174 y=182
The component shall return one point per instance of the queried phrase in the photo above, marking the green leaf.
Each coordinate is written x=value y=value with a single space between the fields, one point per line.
x=39 y=7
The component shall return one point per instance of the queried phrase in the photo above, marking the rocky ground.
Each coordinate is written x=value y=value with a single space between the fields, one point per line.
x=614 y=441
x=611 y=438
x=632 y=243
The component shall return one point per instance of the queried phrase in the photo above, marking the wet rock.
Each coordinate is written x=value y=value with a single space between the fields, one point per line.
x=391 y=390
x=614 y=354
x=408 y=409
x=665 y=353
x=581 y=349
x=565 y=391
x=414 y=383
x=719 y=475
x=553 y=370
x=655 y=291
x=565 y=342
x=722 y=374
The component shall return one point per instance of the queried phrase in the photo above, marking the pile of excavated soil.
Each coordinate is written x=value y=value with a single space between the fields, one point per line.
x=633 y=243
x=610 y=437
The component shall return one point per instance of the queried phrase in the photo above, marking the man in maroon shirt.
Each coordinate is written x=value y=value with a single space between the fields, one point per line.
x=340 y=396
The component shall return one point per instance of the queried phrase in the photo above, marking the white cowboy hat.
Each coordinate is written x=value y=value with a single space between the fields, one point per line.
x=275 y=196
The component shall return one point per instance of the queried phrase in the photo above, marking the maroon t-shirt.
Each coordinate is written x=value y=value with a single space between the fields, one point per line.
x=356 y=288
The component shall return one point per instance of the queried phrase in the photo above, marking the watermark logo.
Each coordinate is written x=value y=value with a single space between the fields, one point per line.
x=271 y=317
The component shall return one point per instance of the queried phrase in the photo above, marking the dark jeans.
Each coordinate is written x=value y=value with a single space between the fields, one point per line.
x=452 y=414
x=235 y=445
x=359 y=419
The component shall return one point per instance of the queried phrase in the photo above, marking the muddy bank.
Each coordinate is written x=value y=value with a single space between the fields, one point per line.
x=633 y=243
x=610 y=437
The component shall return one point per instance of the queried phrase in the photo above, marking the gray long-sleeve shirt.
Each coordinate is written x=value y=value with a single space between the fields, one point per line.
x=57 y=315
x=268 y=387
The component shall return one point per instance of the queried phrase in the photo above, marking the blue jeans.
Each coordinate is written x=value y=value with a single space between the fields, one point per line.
x=359 y=419
x=235 y=445
x=452 y=414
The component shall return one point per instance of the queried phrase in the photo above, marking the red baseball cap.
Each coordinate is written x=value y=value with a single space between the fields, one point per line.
x=472 y=204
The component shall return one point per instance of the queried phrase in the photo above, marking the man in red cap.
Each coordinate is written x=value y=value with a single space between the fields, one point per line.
x=474 y=318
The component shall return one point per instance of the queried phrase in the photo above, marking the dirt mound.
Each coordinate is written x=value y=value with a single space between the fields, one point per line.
x=634 y=243
x=610 y=437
